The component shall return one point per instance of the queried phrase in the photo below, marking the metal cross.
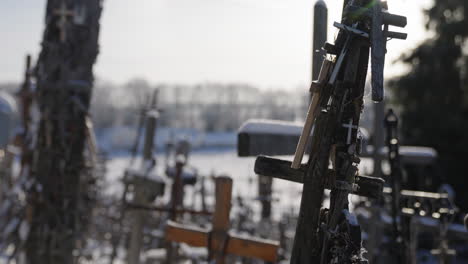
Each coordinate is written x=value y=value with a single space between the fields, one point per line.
x=63 y=14
x=350 y=128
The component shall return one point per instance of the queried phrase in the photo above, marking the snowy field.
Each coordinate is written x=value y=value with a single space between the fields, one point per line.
x=223 y=162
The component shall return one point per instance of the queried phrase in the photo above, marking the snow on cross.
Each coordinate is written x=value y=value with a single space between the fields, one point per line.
x=268 y=137
x=218 y=241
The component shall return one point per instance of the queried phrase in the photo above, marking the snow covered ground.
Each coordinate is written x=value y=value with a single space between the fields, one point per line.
x=122 y=138
x=216 y=161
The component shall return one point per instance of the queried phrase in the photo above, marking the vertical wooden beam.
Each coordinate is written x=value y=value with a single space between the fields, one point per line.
x=265 y=194
x=136 y=236
x=378 y=52
x=151 y=121
x=219 y=235
x=151 y=124
x=223 y=203
x=177 y=190
x=203 y=194
x=379 y=109
x=319 y=37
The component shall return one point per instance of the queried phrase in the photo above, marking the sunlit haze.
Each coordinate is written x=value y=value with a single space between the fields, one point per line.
x=266 y=43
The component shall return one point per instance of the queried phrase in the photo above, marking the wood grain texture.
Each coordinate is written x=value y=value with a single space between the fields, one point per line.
x=193 y=236
x=238 y=245
x=223 y=204
x=378 y=52
x=371 y=187
x=253 y=248
x=219 y=240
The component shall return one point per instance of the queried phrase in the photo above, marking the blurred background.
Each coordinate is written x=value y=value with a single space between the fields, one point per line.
x=218 y=63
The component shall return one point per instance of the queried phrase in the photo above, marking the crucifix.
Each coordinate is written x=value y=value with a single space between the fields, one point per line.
x=218 y=240
x=331 y=234
x=63 y=13
x=350 y=128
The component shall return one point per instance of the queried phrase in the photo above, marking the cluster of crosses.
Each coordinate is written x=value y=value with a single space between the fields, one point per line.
x=218 y=240
x=255 y=140
x=146 y=187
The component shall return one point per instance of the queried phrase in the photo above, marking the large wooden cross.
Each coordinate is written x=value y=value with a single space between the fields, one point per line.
x=218 y=240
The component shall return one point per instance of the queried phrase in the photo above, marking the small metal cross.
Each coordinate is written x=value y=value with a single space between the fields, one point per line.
x=63 y=14
x=350 y=128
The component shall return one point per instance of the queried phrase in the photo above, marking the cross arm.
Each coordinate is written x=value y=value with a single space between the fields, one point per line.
x=166 y=209
x=237 y=245
x=364 y=186
x=268 y=137
x=193 y=236
x=253 y=248
x=387 y=18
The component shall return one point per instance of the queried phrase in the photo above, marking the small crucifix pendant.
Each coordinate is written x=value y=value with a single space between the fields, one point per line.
x=350 y=128
x=63 y=13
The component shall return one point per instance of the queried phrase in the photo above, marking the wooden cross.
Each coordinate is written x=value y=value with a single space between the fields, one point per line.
x=218 y=241
x=63 y=13
x=281 y=169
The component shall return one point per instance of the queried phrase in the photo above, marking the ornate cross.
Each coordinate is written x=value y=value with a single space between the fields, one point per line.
x=63 y=13
x=218 y=240
x=350 y=128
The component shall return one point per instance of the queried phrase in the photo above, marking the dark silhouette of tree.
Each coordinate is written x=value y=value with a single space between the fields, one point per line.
x=433 y=95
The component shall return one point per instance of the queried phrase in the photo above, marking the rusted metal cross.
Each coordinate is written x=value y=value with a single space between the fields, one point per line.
x=218 y=240
x=63 y=13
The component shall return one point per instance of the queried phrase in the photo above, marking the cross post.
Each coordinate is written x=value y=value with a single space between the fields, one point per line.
x=218 y=240
x=265 y=195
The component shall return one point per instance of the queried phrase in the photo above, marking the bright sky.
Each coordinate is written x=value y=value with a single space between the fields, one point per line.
x=263 y=42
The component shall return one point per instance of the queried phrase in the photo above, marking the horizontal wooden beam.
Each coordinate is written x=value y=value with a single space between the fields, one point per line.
x=237 y=245
x=253 y=248
x=387 y=18
x=193 y=236
x=268 y=137
x=281 y=169
x=165 y=209
x=277 y=168
x=413 y=155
